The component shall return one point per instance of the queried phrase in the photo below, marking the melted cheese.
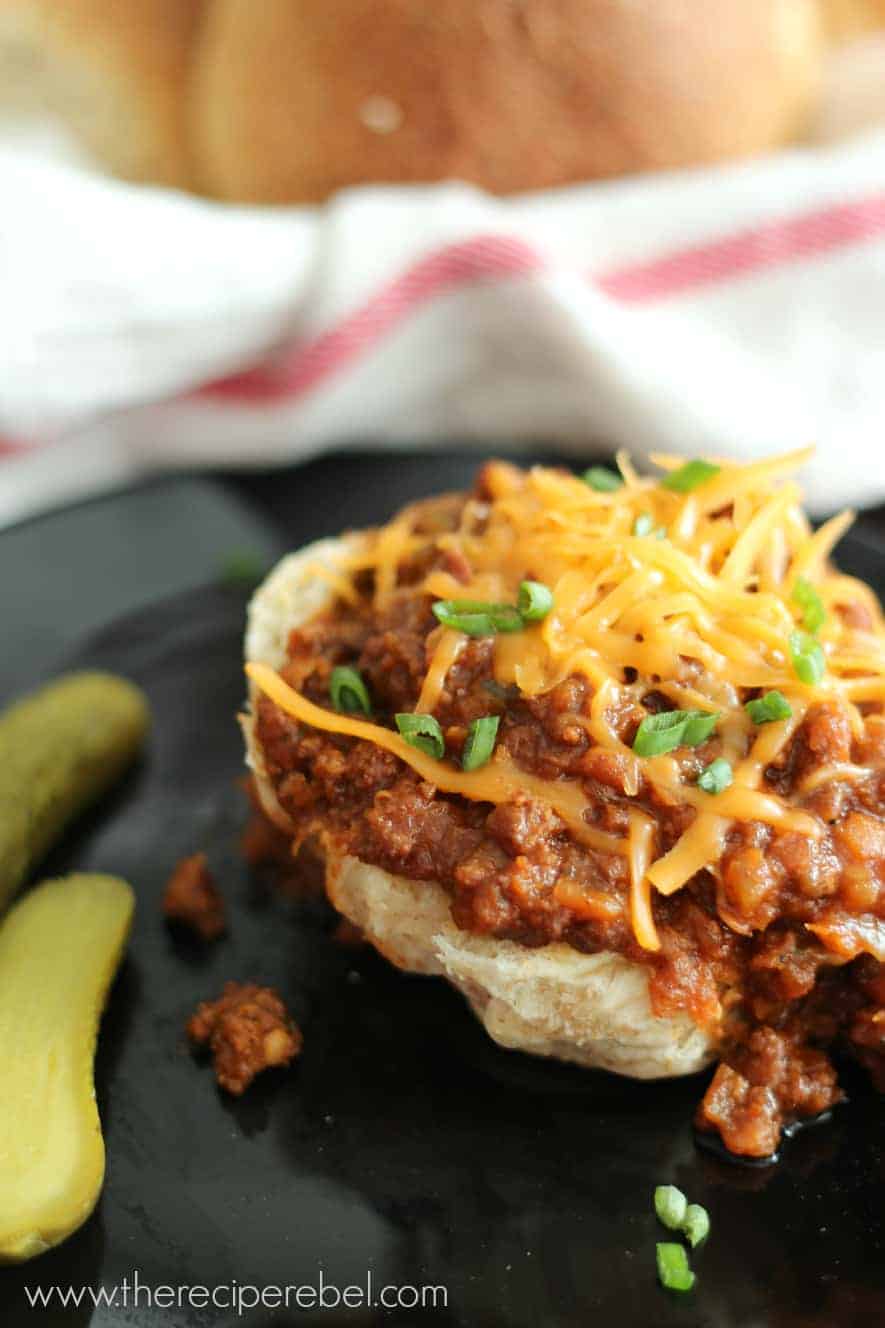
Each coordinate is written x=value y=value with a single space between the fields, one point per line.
x=702 y=609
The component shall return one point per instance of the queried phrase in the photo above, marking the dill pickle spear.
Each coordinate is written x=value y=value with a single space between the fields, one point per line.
x=61 y=748
x=60 y=947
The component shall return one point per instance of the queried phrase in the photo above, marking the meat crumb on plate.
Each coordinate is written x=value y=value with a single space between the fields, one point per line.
x=193 y=899
x=248 y=1029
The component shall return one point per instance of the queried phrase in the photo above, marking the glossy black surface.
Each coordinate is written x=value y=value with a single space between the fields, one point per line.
x=403 y=1141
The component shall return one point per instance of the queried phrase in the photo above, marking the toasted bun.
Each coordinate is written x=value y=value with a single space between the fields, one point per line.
x=590 y=1009
x=115 y=70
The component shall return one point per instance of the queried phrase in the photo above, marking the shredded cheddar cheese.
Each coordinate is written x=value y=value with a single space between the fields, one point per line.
x=639 y=842
x=446 y=652
x=701 y=609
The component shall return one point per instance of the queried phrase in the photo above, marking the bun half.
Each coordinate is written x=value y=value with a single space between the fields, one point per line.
x=593 y=1010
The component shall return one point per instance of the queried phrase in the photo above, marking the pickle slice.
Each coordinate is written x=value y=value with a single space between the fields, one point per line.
x=59 y=950
x=60 y=749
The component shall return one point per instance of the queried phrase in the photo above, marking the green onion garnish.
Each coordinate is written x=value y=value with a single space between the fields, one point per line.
x=768 y=708
x=689 y=476
x=701 y=724
x=423 y=732
x=662 y=733
x=644 y=524
x=476 y=618
x=480 y=742
x=670 y=1206
x=673 y=1269
x=696 y=1224
x=716 y=777
x=535 y=600
x=814 y=614
x=602 y=479
x=242 y=568
x=808 y=659
x=348 y=691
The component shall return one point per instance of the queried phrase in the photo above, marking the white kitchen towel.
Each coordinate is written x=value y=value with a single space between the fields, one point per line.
x=732 y=311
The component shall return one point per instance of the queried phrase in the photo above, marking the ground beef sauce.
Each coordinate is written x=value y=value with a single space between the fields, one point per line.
x=735 y=944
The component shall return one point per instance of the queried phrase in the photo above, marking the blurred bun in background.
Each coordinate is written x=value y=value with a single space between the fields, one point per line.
x=115 y=71
x=847 y=18
x=294 y=99
x=853 y=95
x=288 y=100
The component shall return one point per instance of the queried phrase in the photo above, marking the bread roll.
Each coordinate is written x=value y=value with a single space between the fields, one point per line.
x=847 y=18
x=115 y=70
x=593 y=1010
x=288 y=100
x=853 y=98
x=293 y=100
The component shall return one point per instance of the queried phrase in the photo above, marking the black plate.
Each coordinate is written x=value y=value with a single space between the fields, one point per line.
x=403 y=1143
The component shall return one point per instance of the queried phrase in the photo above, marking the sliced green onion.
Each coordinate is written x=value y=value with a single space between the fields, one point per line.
x=696 y=1224
x=662 y=733
x=671 y=1206
x=689 y=476
x=814 y=615
x=809 y=663
x=242 y=568
x=602 y=479
x=476 y=618
x=768 y=708
x=423 y=732
x=673 y=1269
x=716 y=777
x=644 y=524
x=535 y=600
x=699 y=725
x=348 y=691
x=480 y=742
